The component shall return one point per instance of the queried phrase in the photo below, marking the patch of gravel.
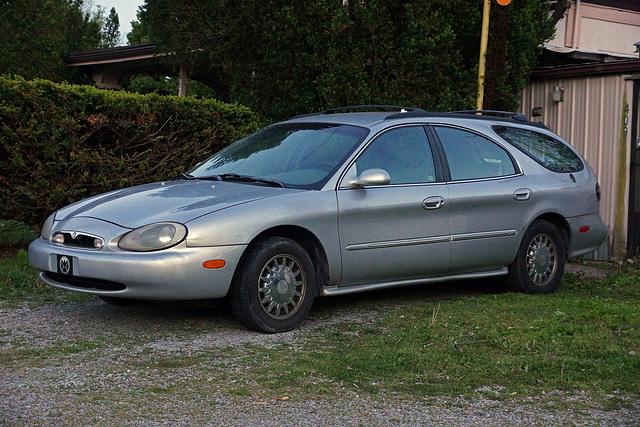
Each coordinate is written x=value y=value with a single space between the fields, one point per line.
x=588 y=270
x=123 y=374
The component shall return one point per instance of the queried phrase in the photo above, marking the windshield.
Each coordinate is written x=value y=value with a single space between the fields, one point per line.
x=299 y=155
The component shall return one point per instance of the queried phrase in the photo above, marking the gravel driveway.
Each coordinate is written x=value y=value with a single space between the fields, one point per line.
x=166 y=364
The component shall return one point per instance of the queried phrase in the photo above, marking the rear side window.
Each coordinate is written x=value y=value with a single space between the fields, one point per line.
x=471 y=156
x=550 y=152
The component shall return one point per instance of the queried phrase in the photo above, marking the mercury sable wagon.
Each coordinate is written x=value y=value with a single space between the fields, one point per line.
x=332 y=203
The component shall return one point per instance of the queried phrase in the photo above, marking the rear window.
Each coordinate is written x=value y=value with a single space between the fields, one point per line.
x=550 y=152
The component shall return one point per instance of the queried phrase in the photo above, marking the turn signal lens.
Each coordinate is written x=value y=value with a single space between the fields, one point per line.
x=214 y=263
x=584 y=229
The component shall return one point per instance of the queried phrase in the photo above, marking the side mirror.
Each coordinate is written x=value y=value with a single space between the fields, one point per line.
x=371 y=177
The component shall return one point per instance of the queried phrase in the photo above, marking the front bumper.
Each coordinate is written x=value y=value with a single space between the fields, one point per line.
x=172 y=274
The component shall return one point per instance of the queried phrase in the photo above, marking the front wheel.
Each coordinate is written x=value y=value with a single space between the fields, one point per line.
x=539 y=265
x=274 y=286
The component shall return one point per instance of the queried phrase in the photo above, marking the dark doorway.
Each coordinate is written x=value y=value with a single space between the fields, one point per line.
x=633 y=236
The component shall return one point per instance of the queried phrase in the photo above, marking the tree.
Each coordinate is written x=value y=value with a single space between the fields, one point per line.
x=36 y=35
x=282 y=58
x=139 y=33
x=110 y=30
x=511 y=52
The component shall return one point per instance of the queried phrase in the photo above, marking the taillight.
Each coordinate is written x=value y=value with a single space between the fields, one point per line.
x=598 y=192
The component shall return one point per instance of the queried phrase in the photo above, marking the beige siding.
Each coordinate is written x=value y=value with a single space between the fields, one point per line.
x=590 y=27
x=589 y=119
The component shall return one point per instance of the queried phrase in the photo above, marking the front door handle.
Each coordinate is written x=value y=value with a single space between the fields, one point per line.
x=522 y=194
x=431 y=203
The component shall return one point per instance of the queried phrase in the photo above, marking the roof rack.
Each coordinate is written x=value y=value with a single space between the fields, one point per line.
x=515 y=116
x=504 y=116
x=480 y=114
x=397 y=112
x=364 y=107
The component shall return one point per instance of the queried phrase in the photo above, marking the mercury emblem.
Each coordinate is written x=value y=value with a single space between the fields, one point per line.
x=65 y=265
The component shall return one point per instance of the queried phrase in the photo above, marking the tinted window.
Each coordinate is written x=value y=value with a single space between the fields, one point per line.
x=471 y=156
x=404 y=153
x=550 y=152
x=301 y=155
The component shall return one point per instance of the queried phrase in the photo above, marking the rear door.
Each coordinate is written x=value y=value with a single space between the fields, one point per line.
x=489 y=200
x=398 y=231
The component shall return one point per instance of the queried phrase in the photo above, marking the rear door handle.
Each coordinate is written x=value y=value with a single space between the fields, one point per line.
x=431 y=203
x=522 y=194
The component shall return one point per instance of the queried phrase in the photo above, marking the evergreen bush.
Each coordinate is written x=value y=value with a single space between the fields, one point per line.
x=60 y=143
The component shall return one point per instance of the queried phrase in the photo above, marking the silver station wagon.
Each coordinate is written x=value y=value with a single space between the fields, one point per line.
x=342 y=201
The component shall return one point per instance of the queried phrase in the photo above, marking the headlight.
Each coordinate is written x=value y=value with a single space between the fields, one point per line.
x=48 y=226
x=153 y=237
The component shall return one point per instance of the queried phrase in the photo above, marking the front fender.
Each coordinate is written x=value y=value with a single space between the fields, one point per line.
x=315 y=211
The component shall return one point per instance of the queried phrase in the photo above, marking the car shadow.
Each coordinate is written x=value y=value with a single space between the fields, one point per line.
x=163 y=316
x=401 y=295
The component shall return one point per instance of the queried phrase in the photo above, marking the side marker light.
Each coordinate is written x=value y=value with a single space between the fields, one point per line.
x=214 y=263
x=584 y=229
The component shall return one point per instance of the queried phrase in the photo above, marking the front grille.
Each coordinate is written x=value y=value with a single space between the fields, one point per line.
x=86 y=283
x=79 y=241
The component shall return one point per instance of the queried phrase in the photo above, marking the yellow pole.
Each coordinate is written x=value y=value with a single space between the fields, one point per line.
x=484 y=40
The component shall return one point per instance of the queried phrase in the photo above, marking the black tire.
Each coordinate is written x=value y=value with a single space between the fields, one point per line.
x=539 y=265
x=274 y=286
x=119 y=301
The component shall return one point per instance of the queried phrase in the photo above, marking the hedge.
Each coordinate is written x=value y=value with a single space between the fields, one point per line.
x=60 y=143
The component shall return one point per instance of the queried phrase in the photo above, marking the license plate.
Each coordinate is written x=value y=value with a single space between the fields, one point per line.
x=65 y=265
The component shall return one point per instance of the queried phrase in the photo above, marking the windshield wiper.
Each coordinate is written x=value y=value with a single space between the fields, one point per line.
x=233 y=177
x=204 y=178
x=184 y=176
x=249 y=178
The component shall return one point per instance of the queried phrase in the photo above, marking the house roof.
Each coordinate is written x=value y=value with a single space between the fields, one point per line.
x=630 y=66
x=557 y=62
x=112 y=55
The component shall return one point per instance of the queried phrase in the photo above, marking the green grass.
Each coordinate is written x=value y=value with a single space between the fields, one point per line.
x=19 y=282
x=584 y=337
x=16 y=234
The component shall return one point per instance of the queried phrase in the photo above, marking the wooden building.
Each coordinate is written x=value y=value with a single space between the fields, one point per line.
x=587 y=90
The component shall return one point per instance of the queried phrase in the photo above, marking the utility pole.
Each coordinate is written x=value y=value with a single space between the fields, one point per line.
x=484 y=41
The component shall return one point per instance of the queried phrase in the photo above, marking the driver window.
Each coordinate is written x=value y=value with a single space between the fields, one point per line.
x=404 y=153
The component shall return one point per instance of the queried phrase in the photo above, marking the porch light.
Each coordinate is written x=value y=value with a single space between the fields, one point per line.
x=557 y=95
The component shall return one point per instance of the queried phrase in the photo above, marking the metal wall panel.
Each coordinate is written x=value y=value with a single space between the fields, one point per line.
x=589 y=119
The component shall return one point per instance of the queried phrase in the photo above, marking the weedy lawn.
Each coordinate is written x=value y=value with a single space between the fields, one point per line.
x=584 y=337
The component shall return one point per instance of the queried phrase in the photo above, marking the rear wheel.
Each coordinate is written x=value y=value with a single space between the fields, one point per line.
x=274 y=286
x=539 y=265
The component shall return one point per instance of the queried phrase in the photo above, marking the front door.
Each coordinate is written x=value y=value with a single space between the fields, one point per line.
x=633 y=230
x=398 y=231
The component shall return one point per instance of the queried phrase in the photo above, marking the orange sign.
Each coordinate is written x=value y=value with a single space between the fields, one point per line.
x=503 y=2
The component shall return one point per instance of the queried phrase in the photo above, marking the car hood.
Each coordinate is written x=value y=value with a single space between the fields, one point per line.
x=179 y=201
